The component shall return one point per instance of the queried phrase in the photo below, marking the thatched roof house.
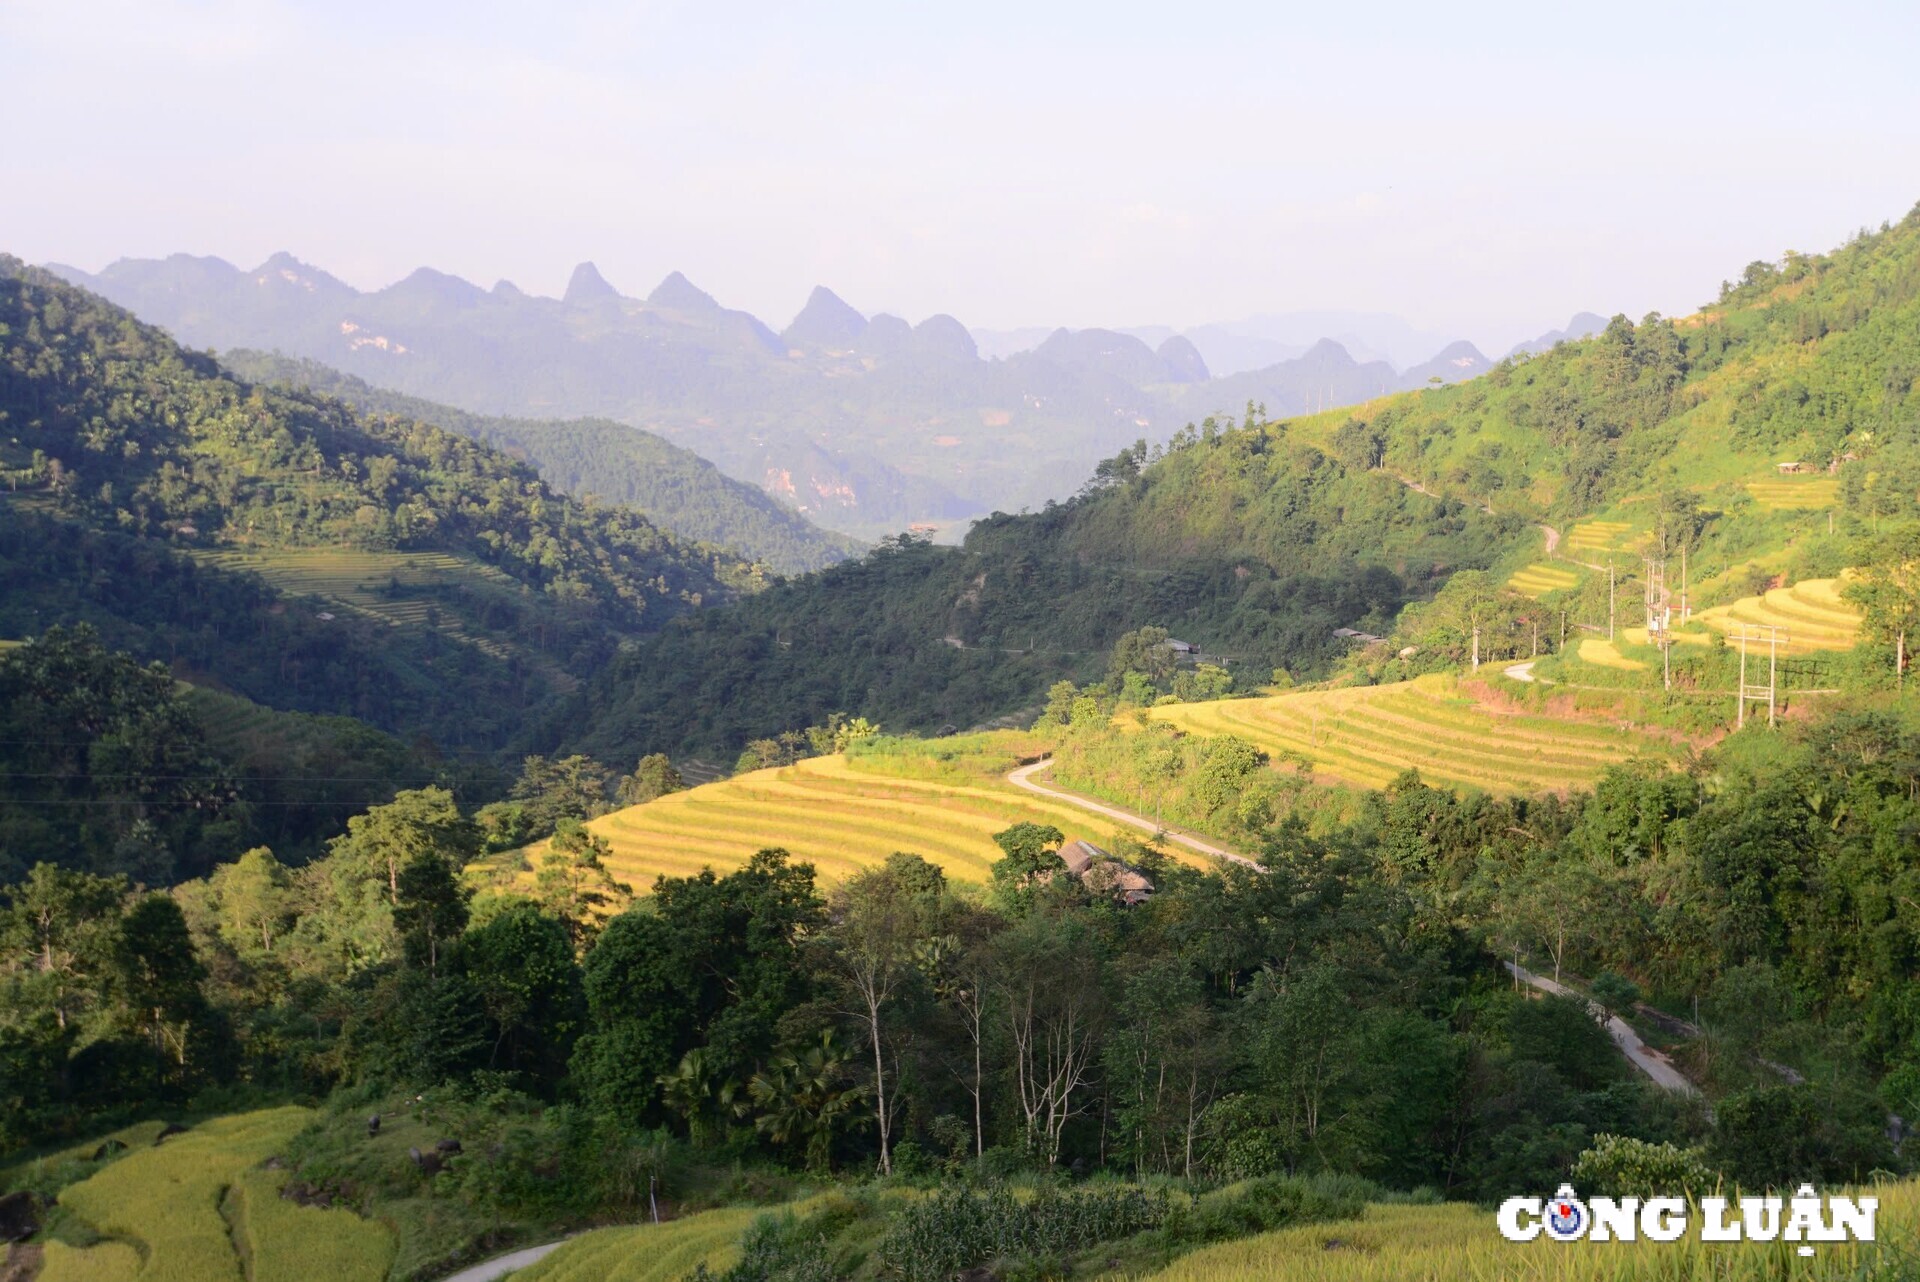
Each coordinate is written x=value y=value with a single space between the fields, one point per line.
x=1101 y=873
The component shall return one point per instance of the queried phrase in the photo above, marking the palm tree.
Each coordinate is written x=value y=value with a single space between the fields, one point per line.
x=805 y=1096
x=698 y=1092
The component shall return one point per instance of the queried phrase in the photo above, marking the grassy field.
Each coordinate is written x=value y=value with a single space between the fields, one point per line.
x=184 y=1210
x=1811 y=612
x=647 y=1252
x=1540 y=578
x=844 y=813
x=1794 y=493
x=1367 y=735
x=1456 y=1243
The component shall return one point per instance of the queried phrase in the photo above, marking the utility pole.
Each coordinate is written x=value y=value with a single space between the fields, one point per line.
x=1685 y=613
x=1476 y=648
x=1755 y=692
x=1609 y=598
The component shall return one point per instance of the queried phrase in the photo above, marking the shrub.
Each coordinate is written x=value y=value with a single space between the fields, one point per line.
x=1621 y=1166
x=932 y=1239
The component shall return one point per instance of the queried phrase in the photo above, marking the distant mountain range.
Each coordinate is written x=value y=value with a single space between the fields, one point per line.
x=864 y=424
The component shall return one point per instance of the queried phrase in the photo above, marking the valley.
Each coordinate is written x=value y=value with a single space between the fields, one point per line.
x=464 y=860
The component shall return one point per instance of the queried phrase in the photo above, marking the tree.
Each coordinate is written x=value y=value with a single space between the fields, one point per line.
x=383 y=841
x=157 y=977
x=1048 y=973
x=1164 y=1065
x=700 y=1094
x=1144 y=650
x=653 y=777
x=573 y=787
x=1886 y=587
x=880 y=916
x=804 y=1097
x=59 y=933
x=255 y=902
x=639 y=1016
x=573 y=882
x=431 y=908
x=522 y=965
x=1030 y=851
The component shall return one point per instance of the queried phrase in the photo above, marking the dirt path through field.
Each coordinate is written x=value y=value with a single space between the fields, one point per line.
x=1023 y=778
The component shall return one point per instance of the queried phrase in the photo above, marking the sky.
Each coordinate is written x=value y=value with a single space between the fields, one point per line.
x=1483 y=170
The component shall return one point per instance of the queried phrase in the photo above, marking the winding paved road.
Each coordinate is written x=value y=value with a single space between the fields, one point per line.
x=1638 y=1053
x=501 y=1265
x=1023 y=778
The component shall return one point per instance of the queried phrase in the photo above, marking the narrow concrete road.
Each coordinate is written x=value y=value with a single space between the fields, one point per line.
x=501 y=1265
x=1521 y=671
x=1023 y=778
x=1638 y=1053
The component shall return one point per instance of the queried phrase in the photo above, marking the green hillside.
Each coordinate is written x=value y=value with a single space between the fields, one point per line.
x=182 y=511
x=1240 y=540
x=673 y=487
x=1665 y=438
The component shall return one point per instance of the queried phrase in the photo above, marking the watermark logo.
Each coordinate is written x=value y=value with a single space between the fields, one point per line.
x=1806 y=1218
x=1566 y=1216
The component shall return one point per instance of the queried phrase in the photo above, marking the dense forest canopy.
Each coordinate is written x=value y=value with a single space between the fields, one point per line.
x=135 y=471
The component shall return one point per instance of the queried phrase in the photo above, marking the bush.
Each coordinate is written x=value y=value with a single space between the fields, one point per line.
x=1275 y=1202
x=1621 y=1166
x=932 y=1239
x=1616 y=992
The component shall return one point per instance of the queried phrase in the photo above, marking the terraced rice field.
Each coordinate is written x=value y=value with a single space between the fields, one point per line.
x=1368 y=735
x=1811 y=611
x=831 y=813
x=1790 y=493
x=1540 y=578
x=229 y=718
x=1605 y=654
x=173 y=1213
x=647 y=1252
x=358 y=579
x=1598 y=536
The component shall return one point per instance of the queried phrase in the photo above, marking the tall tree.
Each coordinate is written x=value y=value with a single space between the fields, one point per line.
x=880 y=918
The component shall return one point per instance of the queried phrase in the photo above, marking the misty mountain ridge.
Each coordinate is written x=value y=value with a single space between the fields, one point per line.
x=864 y=424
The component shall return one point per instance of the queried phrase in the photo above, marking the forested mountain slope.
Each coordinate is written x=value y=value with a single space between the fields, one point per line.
x=1258 y=541
x=276 y=543
x=1809 y=361
x=1242 y=541
x=673 y=487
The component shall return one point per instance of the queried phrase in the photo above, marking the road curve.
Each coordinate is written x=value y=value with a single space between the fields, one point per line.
x=501 y=1265
x=1638 y=1053
x=1023 y=778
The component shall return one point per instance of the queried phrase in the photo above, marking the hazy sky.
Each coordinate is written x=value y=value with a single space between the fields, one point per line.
x=1482 y=169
